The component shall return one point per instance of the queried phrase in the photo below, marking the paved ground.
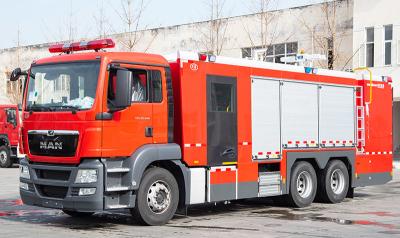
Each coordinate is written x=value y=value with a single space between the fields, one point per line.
x=374 y=212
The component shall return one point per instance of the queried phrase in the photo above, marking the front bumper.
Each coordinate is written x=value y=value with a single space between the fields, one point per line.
x=53 y=186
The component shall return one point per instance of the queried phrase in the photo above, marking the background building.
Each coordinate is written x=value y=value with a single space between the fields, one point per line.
x=268 y=35
x=376 y=45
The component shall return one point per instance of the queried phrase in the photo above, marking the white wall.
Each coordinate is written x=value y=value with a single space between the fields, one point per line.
x=377 y=13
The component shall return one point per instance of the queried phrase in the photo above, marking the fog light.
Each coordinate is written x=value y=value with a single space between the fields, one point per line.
x=24 y=172
x=87 y=191
x=86 y=176
x=23 y=186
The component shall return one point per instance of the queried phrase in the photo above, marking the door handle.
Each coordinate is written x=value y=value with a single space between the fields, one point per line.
x=148 y=131
x=229 y=151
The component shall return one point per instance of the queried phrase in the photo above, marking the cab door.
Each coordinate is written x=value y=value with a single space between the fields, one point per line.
x=11 y=125
x=138 y=124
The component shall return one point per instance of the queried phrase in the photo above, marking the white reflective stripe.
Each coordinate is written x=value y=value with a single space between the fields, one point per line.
x=384 y=152
x=372 y=153
x=187 y=145
x=367 y=153
x=198 y=145
x=379 y=153
x=390 y=152
x=223 y=168
x=245 y=143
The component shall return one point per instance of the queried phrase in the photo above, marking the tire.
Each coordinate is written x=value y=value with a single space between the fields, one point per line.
x=157 y=198
x=303 y=185
x=78 y=214
x=333 y=182
x=5 y=158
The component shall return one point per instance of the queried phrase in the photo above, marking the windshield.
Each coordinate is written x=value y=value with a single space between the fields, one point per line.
x=62 y=87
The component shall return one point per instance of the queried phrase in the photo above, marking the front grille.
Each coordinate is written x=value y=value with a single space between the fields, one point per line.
x=52 y=191
x=56 y=144
x=53 y=174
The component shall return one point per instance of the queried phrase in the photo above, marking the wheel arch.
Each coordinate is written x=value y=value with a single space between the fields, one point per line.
x=167 y=156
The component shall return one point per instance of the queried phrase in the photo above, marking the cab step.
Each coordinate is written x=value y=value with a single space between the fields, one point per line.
x=118 y=170
x=117 y=189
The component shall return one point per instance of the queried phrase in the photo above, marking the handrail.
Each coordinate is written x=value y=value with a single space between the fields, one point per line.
x=370 y=80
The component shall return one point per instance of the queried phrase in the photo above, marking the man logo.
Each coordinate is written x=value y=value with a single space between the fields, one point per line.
x=44 y=145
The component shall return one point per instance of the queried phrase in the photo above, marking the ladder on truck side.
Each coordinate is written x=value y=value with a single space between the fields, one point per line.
x=360 y=118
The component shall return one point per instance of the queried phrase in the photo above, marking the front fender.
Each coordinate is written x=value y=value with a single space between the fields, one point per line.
x=148 y=154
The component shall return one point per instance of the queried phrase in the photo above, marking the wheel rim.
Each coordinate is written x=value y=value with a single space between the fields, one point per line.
x=3 y=157
x=159 y=197
x=337 y=181
x=304 y=184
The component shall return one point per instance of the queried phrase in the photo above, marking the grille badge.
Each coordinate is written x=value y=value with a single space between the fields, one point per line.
x=50 y=133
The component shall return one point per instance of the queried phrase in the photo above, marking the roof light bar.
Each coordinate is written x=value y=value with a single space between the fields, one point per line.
x=95 y=45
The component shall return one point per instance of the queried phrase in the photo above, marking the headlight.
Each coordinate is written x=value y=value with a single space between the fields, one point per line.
x=24 y=172
x=86 y=176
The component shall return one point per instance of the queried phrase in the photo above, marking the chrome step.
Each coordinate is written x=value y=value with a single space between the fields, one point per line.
x=117 y=189
x=117 y=206
x=118 y=170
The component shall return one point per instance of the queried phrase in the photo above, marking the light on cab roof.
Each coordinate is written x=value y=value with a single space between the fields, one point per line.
x=95 y=45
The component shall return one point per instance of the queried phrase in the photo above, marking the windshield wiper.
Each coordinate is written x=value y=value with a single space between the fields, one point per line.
x=65 y=107
x=37 y=108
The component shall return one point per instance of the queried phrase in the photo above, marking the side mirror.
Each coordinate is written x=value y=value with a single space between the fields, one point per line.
x=123 y=90
x=16 y=73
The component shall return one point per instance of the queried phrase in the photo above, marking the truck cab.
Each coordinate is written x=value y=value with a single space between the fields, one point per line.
x=93 y=122
x=9 y=135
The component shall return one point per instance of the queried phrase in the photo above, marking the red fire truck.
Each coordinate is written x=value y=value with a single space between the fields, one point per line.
x=114 y=130
x=9 y=135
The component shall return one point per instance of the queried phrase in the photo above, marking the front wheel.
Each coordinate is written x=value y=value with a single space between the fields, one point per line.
x=303 y=185
x=157 y=198
x=5 y=159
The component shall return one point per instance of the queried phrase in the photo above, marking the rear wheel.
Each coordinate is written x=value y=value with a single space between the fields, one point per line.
x=78 y=214
x=5 y=159
x=157 y=198
x=303 y=185
x=334 y=182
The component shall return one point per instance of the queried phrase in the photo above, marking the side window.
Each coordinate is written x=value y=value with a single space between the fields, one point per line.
x=146 y=86
x=156 y=86
x=140 y=86
x=221 y=97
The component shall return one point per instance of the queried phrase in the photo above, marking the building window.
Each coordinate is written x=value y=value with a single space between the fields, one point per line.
x=272 y=53
x=388 y=36
x=398 y=52
x=369 y=46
